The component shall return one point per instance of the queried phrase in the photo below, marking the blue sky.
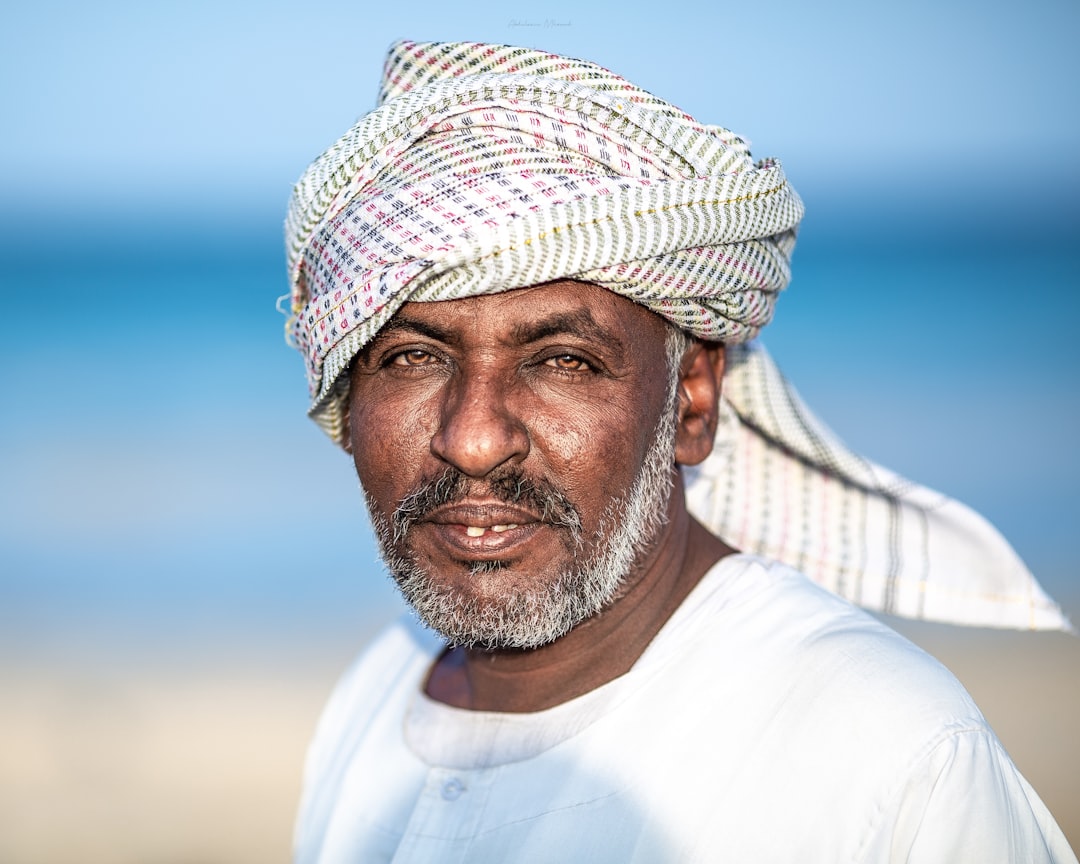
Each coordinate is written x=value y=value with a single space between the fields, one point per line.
x=179 y=102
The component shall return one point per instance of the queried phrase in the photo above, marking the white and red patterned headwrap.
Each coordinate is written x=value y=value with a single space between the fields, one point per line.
x=487 y=168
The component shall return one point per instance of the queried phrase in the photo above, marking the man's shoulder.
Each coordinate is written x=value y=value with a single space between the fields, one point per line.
x=811 y=708
x=385 y=673
x=766 y=631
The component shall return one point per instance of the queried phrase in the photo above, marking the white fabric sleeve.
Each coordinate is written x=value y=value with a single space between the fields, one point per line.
x=965 y=800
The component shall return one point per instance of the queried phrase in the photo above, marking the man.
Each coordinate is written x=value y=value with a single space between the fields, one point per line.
x=524 y=289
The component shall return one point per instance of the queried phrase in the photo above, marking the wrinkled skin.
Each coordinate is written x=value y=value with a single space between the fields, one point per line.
x=565 y=384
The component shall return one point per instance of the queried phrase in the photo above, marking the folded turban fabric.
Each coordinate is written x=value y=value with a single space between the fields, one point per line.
x=486 y=168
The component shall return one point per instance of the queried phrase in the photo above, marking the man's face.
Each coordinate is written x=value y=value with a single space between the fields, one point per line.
x=516 y=452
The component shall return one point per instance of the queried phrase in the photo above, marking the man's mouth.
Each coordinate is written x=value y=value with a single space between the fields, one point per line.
x=471 y=534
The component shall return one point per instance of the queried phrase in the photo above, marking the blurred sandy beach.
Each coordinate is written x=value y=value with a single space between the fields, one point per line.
x=142 y=760
x=169 y=760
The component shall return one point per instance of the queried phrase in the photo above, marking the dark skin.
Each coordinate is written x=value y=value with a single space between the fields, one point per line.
x=565 y=381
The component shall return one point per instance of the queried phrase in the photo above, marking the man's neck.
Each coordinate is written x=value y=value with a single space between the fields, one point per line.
x=597 y=650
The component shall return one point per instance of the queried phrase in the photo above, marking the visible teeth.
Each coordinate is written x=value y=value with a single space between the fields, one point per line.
x=478 y=530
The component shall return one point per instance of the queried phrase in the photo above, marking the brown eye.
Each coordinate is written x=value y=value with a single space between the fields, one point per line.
x=568 y=363
x=413 y=357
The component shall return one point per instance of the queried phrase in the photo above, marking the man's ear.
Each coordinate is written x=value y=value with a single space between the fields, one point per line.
x=700 y=377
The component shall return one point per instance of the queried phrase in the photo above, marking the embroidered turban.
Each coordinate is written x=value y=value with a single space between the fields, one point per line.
x=486 y=168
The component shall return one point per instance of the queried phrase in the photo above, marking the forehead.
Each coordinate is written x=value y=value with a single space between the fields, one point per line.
x=524 y=315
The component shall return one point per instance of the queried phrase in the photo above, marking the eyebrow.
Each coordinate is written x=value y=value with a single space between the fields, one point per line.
x=577 y=323
x=401 y=323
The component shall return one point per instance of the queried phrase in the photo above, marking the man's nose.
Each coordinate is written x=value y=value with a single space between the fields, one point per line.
x=479 y=430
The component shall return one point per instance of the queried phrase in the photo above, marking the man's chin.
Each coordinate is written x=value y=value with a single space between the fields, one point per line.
x=496 y=620
x=492 y=627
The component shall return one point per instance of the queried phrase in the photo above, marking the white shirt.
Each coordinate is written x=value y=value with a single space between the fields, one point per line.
x=768 y=721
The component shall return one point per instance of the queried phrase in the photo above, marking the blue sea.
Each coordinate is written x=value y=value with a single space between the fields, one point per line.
x=160 y=479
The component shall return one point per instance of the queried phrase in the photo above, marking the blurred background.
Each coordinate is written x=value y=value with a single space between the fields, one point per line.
x=185 y=566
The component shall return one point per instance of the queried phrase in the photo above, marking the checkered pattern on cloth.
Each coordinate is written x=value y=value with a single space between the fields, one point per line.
x=487 y=168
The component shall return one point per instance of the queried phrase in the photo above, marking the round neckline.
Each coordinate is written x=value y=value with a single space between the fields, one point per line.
x=451 y=737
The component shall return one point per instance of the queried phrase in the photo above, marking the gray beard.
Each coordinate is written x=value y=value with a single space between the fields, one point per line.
x=628 y=528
